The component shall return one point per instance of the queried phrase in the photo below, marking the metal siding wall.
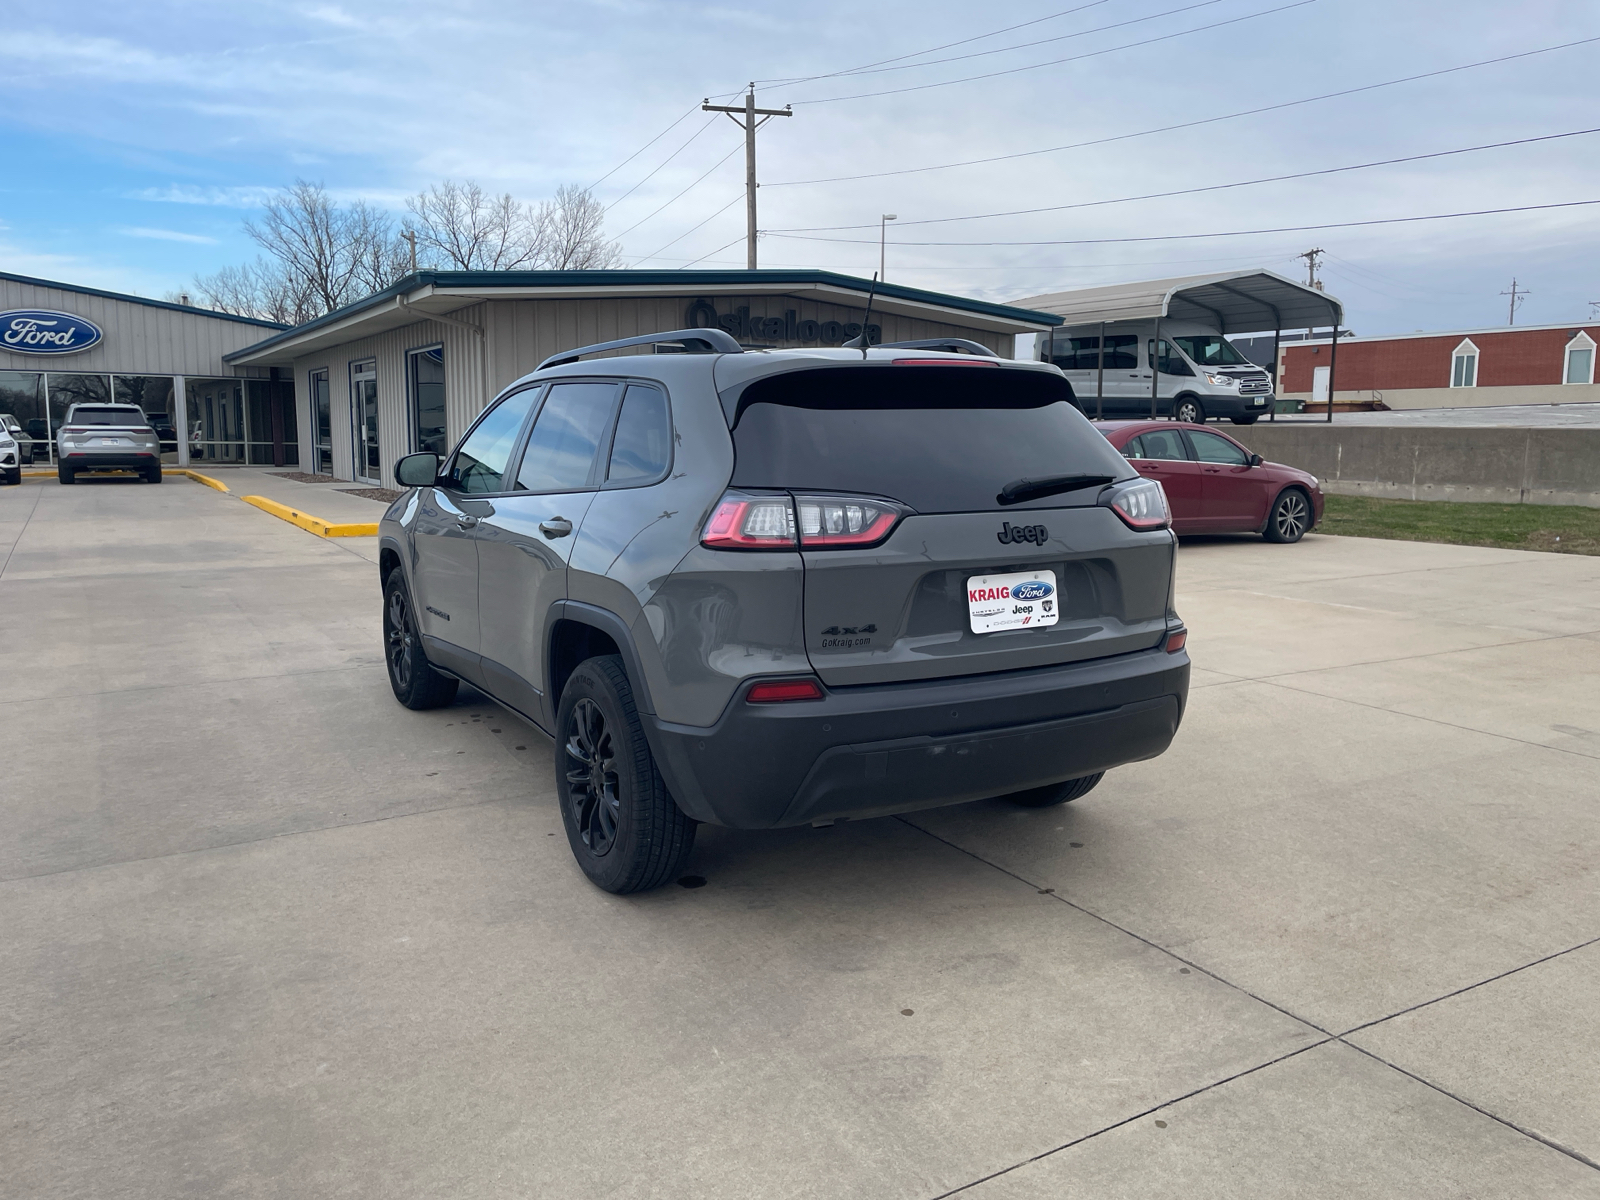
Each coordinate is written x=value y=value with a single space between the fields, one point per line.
x=140 y=339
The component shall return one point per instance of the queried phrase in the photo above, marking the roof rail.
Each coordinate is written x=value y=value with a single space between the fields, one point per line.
x=711 y=341
x=953 y=345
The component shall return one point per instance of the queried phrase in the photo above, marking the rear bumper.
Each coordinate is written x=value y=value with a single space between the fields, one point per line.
x=873 y=751
x=138 y=460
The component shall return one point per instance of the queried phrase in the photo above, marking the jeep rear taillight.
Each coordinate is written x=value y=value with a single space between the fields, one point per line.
x=1141 y=504
x=845 y=520
x=750 y=523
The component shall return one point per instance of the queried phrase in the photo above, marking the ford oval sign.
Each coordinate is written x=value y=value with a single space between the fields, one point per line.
x=40 y=331
x=1036 y=589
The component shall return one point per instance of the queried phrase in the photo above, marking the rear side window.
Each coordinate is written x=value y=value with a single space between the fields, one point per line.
x=940 y=439
x=566 y=434
x=641 y=449
x=480 y=463
x=1162 y=443
x=1209 y=448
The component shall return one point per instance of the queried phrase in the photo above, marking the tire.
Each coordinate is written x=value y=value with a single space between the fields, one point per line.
x=153 y=475
x=66 y=476
x=1250 y=420
x=416 y=684
x=14 y=476
x=625 y=830
x=1290 y=517
x=1189 y=410
x=1056 y=793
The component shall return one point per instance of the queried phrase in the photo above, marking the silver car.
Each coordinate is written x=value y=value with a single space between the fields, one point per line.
x=99 y=437
x=12 y=428
x=776 y=588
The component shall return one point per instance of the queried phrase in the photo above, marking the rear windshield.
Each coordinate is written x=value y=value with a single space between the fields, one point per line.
x=941 y=439
x=108 y=416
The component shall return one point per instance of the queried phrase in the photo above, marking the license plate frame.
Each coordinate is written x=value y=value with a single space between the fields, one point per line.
x=993 y=606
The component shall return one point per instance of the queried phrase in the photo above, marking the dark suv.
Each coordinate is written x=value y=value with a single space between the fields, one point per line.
x=773 y=588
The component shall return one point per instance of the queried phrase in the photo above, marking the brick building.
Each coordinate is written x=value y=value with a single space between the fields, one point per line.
x=1536 y=364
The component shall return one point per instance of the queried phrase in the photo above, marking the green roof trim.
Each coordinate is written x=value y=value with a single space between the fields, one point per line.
x=145 y=300
x=688 y=280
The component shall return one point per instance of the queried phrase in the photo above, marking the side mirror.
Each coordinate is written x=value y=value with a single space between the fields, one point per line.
x=1256 y=460
x=417 y=470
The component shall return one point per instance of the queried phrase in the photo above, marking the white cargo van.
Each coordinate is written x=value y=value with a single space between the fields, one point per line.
x=1165 y=346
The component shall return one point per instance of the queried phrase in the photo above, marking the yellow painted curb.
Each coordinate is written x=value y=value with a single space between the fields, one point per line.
x=309 y=523
x=197 y=477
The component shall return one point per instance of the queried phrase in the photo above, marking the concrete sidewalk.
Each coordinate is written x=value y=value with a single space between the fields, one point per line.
x=265 y=932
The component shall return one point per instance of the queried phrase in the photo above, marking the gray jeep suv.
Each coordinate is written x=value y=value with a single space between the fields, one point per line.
x=772 y=588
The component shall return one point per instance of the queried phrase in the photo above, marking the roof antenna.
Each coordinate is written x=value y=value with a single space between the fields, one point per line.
x=861 y=343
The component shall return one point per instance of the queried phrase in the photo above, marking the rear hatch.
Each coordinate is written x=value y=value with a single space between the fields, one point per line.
x=967 y=581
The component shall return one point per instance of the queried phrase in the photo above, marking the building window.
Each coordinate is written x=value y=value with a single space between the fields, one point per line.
x=1464 y=367
x=425 y=368
x=1580 y=360
x=321 y=423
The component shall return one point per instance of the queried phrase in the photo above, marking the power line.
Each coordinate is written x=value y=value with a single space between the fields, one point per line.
x=1249 y=112
x=718 y=250
x=1215 y=187
x=680 y=195
x=1066 y=12
x=879 y=70
x=1184 y=237
x=642 y=148
x=922 y=87
x=663 y=163
x=691 y=229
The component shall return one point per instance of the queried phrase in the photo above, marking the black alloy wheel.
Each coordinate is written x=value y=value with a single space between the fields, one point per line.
x=1188 y=410
x=1290 y=517
x=592 y=783
x=416 y=684
x=624 y=828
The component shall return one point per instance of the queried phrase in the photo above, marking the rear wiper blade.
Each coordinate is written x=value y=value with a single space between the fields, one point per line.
x=1019 y=490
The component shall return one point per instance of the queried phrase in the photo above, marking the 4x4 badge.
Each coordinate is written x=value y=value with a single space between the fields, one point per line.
x=1037 y=534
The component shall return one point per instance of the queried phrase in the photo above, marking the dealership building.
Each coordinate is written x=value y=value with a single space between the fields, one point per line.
x=410 y=367
x=61 y=344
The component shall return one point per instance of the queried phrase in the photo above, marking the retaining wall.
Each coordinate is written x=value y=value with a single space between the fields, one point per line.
x=1508 y=466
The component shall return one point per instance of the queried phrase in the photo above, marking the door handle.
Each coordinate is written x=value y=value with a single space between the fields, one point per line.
x=555 y=527
x=466 y=520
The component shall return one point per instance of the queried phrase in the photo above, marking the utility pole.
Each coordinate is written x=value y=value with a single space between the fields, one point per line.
x=1517 y=298
x=410 y=235
x=1311 y=257
x=749 y=112
x=883 y=226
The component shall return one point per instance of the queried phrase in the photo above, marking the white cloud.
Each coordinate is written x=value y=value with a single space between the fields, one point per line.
x=188 y=193
x=167 y=235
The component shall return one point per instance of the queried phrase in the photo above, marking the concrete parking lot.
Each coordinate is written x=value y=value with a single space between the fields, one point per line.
x=265 y=933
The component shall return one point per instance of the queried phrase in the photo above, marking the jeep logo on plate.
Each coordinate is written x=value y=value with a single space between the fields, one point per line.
x=41 y=331
x=1037 y=590
x=1037 y=534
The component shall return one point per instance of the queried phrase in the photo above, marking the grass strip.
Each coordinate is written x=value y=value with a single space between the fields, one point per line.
x=1557 y=528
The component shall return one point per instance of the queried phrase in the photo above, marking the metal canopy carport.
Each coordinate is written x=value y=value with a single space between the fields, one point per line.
x=1248 y=301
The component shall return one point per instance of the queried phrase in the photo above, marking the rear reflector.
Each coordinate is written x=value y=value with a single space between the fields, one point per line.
x=777 y=690
x=1175 y=641
x=945 y=362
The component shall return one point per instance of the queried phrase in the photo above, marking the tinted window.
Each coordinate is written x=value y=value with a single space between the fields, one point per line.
x=1163 y=443
x=480 y=464
x=941 y=439
x=1122 y=353
x=641 y=449
x=1173 y=364
x=1209 y=448
x=565 y=436
x=1211 y=351
x=108 y=416
x=1077 y=354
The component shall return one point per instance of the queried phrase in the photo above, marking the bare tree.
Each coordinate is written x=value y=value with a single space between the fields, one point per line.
x=329 y=254
x=259 y=289
x=573 y=225
x=462 y=228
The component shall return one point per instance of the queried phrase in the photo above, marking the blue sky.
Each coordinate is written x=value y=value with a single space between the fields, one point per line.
x=136 y=139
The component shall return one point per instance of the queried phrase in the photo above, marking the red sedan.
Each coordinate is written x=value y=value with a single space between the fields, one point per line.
x=1216 y=485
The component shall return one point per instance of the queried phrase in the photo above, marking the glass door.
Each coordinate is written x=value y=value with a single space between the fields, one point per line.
x=364 y=410
x=321 y=424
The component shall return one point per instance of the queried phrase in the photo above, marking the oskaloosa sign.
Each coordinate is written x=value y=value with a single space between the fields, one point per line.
x=41 y=331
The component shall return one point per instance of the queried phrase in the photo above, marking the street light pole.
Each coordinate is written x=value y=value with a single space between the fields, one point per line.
x=883 y=226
